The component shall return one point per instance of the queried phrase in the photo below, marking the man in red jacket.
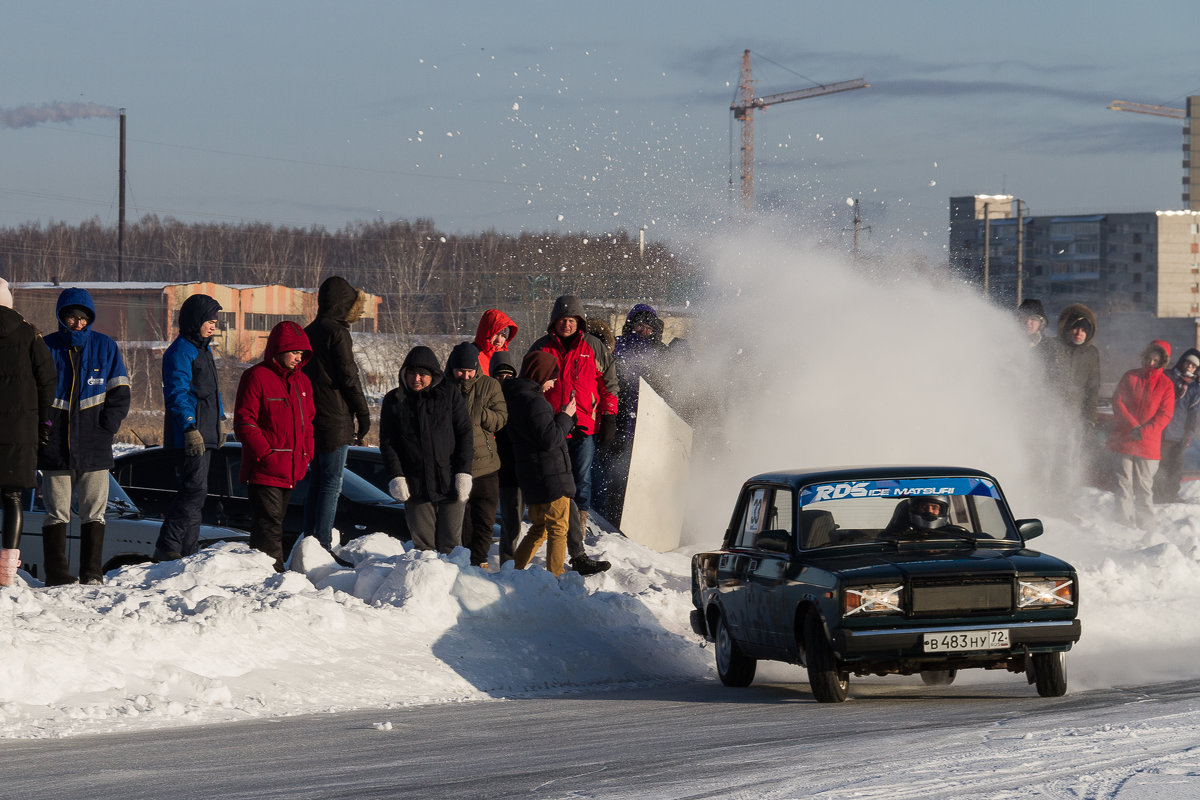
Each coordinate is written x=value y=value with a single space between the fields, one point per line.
x=1142 y=406
x=273 y=419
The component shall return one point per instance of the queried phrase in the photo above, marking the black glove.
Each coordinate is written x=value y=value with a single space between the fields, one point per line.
x=607 y=430
x=44 y=433
x=364 y=427
x=1136 y=433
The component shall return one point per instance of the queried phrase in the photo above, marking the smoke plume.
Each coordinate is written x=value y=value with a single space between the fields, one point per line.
x=28 y=116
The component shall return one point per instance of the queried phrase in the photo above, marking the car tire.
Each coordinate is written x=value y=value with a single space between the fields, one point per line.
x=829 y=683
x=733 y=668
x=1050 y=673
x=938 y=677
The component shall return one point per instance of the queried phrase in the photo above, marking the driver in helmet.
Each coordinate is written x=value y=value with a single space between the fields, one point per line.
x=921 y=515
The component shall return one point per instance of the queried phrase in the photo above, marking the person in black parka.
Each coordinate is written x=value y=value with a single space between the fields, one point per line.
x=27 y=379
x=427 y=443
x=343 y=418
x=539 y=441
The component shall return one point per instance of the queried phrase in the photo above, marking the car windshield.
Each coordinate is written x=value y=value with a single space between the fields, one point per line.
x=853 y=512
x=361 y=490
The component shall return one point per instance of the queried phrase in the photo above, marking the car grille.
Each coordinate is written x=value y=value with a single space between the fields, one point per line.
x=962 y=597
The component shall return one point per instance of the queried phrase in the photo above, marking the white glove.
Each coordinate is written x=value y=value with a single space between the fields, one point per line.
x=398 y=488
x=462 y=483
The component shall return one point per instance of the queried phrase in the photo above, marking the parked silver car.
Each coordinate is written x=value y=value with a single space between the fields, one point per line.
x=128 y=536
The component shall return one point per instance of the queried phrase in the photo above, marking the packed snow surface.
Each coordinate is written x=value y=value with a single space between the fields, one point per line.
x=220 y=636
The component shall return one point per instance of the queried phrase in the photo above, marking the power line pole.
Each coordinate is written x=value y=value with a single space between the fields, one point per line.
x=121 y=207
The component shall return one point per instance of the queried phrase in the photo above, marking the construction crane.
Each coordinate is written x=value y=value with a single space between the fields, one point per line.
x=1191 y=199
x=1142 y=108
x=745 y=103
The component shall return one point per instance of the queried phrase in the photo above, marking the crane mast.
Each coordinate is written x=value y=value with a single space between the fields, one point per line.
x=745 y=103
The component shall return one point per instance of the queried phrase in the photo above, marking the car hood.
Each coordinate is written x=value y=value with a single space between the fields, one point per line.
x=936 y=562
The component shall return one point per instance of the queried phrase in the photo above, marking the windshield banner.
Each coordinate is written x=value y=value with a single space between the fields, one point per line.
x=898 y=488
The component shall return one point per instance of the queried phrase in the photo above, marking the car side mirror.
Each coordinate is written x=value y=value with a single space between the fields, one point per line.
x=1030 y=528
x=775 y=541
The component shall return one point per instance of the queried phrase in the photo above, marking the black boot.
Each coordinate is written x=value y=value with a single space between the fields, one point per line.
x=54 y=555
x=91 y=552
x=586 y=565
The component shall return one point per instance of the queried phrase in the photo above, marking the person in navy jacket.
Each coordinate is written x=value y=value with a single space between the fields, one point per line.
x=91 y=399
x=191 y=424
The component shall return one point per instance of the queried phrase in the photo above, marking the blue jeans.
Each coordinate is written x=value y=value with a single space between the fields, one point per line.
x=582 y=449
x=324 y=489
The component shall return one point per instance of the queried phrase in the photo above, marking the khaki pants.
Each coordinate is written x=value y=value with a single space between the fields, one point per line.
x=548 y=521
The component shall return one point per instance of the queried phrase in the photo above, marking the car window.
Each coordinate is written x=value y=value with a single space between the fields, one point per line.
x=150 y=469
x=753 y=517
x=369 y=466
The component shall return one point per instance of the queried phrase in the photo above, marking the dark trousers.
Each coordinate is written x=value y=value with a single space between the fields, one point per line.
x=1170 y=472
x=512 y=511
x=180 y=531
x=479 y=517
x=268 y=504
x=13 y=518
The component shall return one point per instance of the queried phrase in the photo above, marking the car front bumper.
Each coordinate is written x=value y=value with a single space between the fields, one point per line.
x=907 y=642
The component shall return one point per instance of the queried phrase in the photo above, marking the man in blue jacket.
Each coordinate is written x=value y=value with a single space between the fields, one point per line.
x=191 y=424
x=91 y=399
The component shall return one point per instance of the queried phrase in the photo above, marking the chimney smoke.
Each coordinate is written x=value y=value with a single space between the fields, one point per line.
x=30 y=115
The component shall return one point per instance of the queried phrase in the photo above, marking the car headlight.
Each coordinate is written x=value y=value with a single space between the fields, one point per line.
x=872 y=600
x=1046 y=592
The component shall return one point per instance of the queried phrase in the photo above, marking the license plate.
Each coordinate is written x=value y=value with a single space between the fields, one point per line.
x=957 y=641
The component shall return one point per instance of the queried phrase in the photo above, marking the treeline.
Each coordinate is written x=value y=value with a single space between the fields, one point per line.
x=431 y=282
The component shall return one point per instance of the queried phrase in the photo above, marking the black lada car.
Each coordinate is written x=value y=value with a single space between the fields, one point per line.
x=883 y=570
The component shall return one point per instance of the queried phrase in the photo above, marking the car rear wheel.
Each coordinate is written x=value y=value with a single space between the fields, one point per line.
x=733 y=668
x=938 y=677
x=829 y=683
x=1050 y=674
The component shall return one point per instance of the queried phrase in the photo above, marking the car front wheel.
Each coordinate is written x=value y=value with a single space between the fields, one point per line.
x=829 y=683
x=733 y=668
x=1050 y=674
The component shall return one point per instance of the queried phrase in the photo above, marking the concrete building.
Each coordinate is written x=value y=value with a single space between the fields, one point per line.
x=133 y=312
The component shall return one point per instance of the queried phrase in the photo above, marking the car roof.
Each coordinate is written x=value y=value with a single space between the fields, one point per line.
x=803 y=477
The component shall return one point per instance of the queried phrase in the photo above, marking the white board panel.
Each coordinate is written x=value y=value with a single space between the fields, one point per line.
x=658 y=472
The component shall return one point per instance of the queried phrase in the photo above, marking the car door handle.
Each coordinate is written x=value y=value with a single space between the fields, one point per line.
x=753 y=564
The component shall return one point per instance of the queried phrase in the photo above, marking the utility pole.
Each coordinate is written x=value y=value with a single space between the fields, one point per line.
x=987 y=246
x=121 y=207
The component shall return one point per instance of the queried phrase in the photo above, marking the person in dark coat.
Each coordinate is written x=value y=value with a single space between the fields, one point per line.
x=639 y=354
x=26 y=391
x=488 y=412
x=273 y=419
x=512 y=506
x=1032 y=315
x=1143 y=404
x=538 y=436
x=191 y=423
x=91 y=400
x=1078 y=363
x=426 y=440
x=343 y=417
x=1181 y=429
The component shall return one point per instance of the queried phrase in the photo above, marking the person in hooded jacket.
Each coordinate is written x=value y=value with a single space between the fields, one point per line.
x=26 y=391
x=427 y=444
x=343 y=418
x=191 y=423
x=496 y=329
x=91 y=400
x=587 y=375
x=273 y=419
x=544 y=470
x=1143 y=404
x=488 y=412
x=639 y=354
x=1181 y=429
x=1077 y=363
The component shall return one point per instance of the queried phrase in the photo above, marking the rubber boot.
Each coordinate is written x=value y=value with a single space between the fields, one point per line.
x=54 y=555
x=91 y=551
x=10 y=559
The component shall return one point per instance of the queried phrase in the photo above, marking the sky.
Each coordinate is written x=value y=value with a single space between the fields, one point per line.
x=534 y=116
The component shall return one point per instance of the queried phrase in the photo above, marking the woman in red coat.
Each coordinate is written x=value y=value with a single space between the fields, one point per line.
x=273 y=419
x=1142 y=406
